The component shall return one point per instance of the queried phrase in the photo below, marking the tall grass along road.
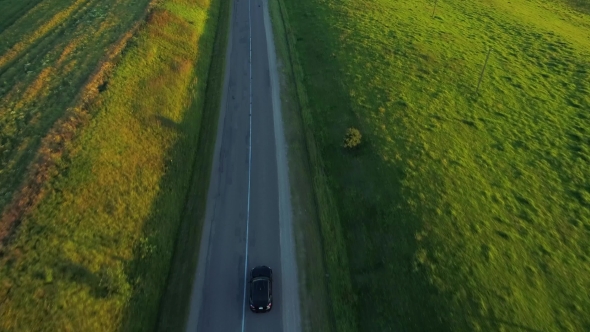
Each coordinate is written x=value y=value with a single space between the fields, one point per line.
x=457 y=211
x=100 y=115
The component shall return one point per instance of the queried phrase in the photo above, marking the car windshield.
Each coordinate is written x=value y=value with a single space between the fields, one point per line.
x=260 y=290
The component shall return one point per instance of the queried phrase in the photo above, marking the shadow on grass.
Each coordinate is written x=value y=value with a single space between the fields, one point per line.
x=66 y=270
x=380 y=230
x=168 y=123
x=161 y=298
x=102 y=284
x=378 y=225
x=14 y=13
x=582 y=6
x=503 y=323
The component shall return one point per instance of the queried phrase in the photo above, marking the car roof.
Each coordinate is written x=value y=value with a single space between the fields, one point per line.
x=259 y=290
x=261 y=271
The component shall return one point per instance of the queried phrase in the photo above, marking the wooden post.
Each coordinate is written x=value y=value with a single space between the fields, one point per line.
x=433 y=10
x=482 y=70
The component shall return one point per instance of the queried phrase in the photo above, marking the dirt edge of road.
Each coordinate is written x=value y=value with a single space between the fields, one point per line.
x=315 y=307
x=291 y=313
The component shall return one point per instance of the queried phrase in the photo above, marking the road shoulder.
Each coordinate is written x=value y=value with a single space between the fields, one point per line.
x=177 y=311
x=290 y=286
x=315 y=314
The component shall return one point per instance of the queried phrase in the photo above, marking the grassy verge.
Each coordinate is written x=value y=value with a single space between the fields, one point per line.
x=316 y=310
x=338 y=279
x=176 y=300
x=457 y=212
x=94 y=254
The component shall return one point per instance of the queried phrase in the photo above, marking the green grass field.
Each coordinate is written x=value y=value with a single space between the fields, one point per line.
x=103 y=115
x=48 y=51
x=459 y=212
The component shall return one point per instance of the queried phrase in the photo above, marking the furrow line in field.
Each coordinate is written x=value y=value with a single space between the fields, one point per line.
x=43 y=50
x=8 y=18
x=53 y=144
x=34 y=104
x=60 y=17
x=59 y=59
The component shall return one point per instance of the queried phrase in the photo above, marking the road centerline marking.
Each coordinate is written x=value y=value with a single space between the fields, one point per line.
x=249 y=166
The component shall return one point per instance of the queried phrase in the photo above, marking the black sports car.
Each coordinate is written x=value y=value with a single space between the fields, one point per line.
x=261 y=289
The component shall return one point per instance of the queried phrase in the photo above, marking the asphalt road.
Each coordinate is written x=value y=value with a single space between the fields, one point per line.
x=248 y=217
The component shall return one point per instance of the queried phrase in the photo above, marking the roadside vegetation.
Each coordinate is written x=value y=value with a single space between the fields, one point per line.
x=459 y=211
x=100 y=113
x=316 y=313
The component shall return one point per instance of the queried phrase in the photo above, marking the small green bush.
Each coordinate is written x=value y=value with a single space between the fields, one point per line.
x=352 y=138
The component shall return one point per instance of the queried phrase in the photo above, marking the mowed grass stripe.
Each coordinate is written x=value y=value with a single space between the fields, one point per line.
x=14 y=10
x=53 y=145
x=40 y=32
x=460 y=212
x=82 y=23
x=94 y=255
x=46 y=81
x=29 y=22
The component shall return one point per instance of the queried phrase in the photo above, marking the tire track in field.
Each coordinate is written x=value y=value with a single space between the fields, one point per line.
x=54 y=85
x=14 y=13
x=39 y=33
x=41 y=51
x=59 y=58
x=41 y=94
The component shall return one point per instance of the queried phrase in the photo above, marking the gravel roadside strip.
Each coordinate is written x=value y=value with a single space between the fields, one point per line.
x=290 y=283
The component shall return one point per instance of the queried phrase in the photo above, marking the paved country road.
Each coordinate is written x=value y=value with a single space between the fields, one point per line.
x=249 y=217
